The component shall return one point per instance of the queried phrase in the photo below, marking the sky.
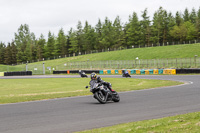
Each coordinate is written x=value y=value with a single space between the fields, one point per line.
x=43 y=16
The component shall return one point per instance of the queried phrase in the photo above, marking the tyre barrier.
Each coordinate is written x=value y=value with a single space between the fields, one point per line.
x=76 y=71
x=187 y=70
x=17 y=73
x=135 y=71
x=59 y=72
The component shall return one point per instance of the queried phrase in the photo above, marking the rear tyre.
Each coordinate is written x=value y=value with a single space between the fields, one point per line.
x=116 y=97
x=100 y=97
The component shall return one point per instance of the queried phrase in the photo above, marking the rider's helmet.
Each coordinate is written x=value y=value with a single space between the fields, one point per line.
x=126 y=72
x=93 y=76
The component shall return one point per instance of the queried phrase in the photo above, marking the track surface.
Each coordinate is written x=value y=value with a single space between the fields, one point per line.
x=81 y=113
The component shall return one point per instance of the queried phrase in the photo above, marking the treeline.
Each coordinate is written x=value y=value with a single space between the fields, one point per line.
x=165 y=27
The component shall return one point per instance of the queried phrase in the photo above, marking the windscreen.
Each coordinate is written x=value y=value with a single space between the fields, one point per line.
x=93 y=84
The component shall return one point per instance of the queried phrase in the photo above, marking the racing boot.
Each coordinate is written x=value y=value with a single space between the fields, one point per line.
x=113 y=92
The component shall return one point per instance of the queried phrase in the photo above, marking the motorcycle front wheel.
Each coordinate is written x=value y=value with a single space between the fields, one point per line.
x=100 y=97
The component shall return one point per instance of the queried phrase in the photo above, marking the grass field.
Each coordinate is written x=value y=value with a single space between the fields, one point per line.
x=187 y=123
x=173 y=51
x=21 y=90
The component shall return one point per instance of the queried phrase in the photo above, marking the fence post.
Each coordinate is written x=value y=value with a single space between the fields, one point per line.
x=157 y=63
x=195 y=61
x=167 y=63
x=43 y=69
x=26 y=66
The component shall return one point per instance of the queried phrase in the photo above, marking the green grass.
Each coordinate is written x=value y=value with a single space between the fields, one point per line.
x=163 y=52
x=21 y=90
x=12 y=68
x=174 y=51
x=187 y=123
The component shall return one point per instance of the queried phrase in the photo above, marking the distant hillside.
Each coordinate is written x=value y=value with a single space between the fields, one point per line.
x=162 y=52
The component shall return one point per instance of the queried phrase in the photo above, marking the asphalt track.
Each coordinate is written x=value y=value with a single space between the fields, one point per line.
x=81 y=113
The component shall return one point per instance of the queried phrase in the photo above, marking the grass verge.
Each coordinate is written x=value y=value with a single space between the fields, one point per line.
x=21 y=90
x=187 y=123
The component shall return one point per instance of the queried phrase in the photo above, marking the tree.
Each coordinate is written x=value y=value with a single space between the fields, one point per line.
x=33 y=47
x=171 y=24
x=198 y=24
x=160 y=26
x=157 y=26
x=193 y=16
x=50 y=47
x=7 y=55
x=60 y=46
x=186 y=15
x=133 y=29
x=74 y=48
x=2 y=51
x=89 y=37
x=165 y=26
x=145 y=28
x=191 y=31
x=98 y=31
x=13 y=53
x=40 y=47
x=107 y=33
x=185 y=32
x=79 y=35
x=23 y=42
x=178 y=18
x=119 y=38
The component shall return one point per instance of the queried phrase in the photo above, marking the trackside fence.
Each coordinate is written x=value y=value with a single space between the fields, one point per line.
x=132 y=64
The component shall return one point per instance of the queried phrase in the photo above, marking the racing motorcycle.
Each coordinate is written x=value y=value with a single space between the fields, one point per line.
x=126 y=74
x=102 y=93
x=82 y=74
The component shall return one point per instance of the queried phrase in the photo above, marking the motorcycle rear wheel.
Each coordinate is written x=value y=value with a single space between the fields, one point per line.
x=116 y=97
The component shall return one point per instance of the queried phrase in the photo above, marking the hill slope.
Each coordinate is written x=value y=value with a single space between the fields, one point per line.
x=175 y=51
x=162 y=52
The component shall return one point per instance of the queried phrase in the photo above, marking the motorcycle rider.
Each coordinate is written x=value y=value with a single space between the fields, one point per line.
x=126 y=72
x=82 y=73
x=99 y=80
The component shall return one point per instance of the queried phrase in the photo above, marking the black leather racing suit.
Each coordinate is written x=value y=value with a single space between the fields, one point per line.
x=99 y=80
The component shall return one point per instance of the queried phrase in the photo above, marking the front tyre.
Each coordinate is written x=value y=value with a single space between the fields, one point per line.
x=116 y=97
x=100 y=97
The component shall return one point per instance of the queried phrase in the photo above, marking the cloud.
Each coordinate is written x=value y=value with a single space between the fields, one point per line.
x=43 y=16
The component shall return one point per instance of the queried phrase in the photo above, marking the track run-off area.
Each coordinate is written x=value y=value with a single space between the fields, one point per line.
x=84 y=112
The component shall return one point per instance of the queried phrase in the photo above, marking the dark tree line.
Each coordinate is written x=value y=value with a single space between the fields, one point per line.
x=165 y=27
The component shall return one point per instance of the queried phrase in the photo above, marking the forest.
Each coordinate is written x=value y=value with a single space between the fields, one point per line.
x=164 y=28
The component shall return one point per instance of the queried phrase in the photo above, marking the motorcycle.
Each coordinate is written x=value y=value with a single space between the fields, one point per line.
x=126 y=74
x=102 y=93
x=82 y=74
